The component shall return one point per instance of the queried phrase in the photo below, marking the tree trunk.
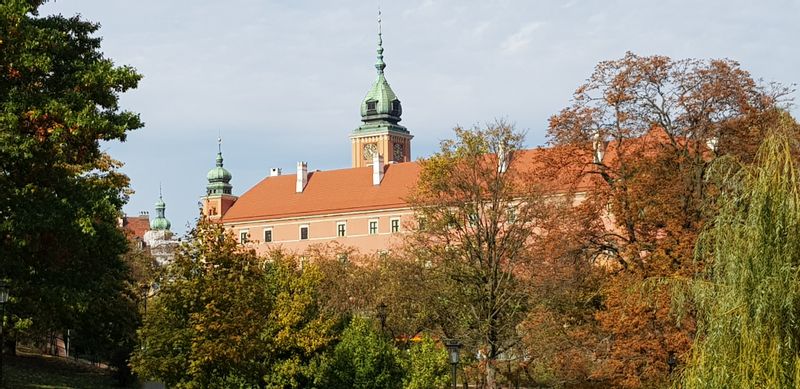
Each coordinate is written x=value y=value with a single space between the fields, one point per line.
x=491 y=371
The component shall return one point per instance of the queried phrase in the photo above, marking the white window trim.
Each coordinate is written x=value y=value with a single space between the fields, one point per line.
x=391 y=220
x=300 y=232
x=377 y=227
x=265 y=234
x=247 y=235
x=344 y=223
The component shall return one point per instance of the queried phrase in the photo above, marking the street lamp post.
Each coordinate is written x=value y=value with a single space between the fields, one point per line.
x=3 y=300
x=382 y=316
x=672 y=361
x=453 y=353
x=145 y=289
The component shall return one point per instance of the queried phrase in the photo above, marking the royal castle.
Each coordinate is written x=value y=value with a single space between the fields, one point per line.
x=361 y=206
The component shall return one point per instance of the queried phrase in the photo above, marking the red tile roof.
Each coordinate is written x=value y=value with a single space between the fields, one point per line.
x=136 y=225
x=557 y=169
x=349 y=190
x=333 y=191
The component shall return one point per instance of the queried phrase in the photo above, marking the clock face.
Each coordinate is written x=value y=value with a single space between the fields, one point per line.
x=370 y=149
x=397 y=150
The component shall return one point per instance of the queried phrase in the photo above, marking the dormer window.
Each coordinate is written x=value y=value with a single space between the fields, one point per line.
x=371 y=107
x=396 y=110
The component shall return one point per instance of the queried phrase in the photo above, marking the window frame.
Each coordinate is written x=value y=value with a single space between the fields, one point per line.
x=369 y=227
x=271 y=235
x=341 y=229
x=308 y=231
x=244 y=236
x=394 y=225
x=372 y=107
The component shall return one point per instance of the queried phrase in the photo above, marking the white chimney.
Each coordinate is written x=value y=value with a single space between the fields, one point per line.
x=274 y=172
x=502 y=158
x=598 y=148
x=302 y=176
x=377 y=169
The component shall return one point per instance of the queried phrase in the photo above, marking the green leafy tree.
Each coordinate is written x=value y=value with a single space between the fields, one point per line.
x=747 y=302
x=225 y=317
x=426 y=366
x=60 y=195
x=363 y=359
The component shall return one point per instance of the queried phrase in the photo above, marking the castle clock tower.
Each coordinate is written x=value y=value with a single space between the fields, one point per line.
x=379 y=132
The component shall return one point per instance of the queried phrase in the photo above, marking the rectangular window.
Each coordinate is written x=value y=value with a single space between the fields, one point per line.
x=511 y=214
x=373 y=227
x=473 y=219
x=395 y=223
x=303 y=232
x=341 y=229
x=243 y=236
x=267 y=235
x=371 y=105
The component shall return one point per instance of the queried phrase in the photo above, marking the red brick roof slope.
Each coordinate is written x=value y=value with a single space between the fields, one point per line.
x=136 y=225
x=344 y=190
x=557 y=169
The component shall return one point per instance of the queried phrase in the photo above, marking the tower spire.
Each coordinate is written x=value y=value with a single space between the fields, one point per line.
x=380 y=65
x=219 y=151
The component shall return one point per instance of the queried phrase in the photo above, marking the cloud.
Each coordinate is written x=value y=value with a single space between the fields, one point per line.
x=481 y=28
x=520 y=39
x=424 y=7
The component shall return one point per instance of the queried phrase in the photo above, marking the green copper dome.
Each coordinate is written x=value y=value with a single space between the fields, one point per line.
x=219 y=178
x=160 y=223
x=381 y=109
x=381 y=102
x=219 y=173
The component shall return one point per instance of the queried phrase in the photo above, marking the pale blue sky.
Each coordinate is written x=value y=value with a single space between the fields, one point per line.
x=283 y=80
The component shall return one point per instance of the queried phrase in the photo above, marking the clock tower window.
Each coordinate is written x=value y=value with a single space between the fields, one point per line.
x=398 y=152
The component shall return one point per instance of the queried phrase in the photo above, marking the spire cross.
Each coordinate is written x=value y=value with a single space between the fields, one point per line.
x=159 y=190
x=219 y=151
x=380 y=65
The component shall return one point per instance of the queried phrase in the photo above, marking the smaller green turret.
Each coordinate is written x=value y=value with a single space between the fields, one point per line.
x=219 y=178
x=160 y=223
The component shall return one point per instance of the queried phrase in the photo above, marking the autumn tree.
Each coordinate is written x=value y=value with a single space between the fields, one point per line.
x=224 y=317
x=560 y=336
x=645 y=131
x=478 y=212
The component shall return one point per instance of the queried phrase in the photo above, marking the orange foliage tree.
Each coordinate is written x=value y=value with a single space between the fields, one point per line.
x=641 y=133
